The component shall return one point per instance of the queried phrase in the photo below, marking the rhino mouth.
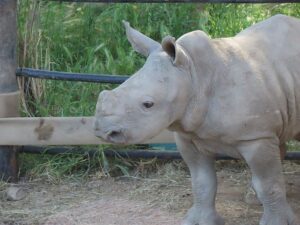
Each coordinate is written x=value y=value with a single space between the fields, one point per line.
x=114 y=136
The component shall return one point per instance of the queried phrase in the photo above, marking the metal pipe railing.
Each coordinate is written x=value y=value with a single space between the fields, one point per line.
x=134 y=154
x=54 y=75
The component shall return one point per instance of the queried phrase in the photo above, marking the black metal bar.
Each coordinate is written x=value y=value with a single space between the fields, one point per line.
x=180 y=1
x=292 y=156
x=54 y=75
x=146 y=154
x=134 y=154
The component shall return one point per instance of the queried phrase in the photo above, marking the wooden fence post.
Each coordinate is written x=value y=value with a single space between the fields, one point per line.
x=8 y=83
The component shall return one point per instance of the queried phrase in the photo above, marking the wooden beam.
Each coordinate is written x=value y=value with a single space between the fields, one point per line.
x=57 y=131
x=8 y=83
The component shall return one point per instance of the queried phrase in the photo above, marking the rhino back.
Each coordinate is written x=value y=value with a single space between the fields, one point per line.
x=256 y=90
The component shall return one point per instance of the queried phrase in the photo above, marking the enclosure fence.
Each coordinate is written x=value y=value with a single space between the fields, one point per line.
x=19 y=134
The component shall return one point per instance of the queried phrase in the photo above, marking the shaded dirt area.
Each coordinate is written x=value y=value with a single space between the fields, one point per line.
x=159 y=198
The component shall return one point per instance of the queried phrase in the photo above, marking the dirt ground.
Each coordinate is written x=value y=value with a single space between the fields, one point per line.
x=160 y=198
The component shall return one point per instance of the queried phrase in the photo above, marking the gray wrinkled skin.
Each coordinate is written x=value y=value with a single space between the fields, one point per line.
x=239 y=96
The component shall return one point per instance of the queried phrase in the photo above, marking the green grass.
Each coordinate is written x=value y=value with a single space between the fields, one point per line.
x=90 y=38
x=53 y=168
x=73 y=166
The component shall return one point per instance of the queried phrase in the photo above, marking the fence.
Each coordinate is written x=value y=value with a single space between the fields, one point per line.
x=25 y=134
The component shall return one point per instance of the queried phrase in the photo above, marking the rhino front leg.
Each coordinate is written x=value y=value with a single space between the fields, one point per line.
x=263 y=158
x=204 y=185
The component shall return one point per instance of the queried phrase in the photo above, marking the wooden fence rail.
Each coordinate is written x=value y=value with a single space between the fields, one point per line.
x=57 y=131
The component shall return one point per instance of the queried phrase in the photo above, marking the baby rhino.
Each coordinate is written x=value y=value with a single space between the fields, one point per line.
x=238 y=96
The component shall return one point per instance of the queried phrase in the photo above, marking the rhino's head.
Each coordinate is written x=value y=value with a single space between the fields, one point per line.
x=150 y=100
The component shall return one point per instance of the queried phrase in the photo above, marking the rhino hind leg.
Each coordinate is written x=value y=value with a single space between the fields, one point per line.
x=263 y=158
x=250 y=195
x=204 y=185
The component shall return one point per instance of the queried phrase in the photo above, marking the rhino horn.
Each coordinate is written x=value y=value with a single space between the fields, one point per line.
x=140 y=42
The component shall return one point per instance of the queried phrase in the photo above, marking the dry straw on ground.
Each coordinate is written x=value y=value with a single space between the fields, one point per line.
x=162 y=197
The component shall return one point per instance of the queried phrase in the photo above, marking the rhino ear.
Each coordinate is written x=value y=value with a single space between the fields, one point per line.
x=175 y=51
x=140 y=42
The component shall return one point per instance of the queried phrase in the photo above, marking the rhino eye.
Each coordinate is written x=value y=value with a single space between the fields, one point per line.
x=148 y=104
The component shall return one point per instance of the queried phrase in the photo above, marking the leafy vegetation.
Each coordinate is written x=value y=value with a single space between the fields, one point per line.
x=89 y=38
